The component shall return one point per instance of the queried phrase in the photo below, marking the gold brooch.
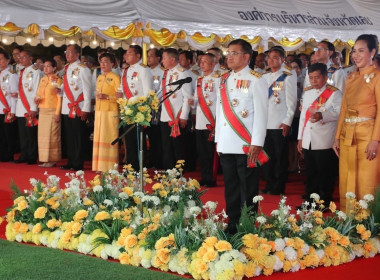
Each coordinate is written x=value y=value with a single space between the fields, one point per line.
x=244 y=113
x=234 y=102
x=368 y=77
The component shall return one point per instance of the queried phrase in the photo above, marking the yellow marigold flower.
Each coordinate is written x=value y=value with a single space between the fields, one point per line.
x=139 y=118
x=128 y=191
x=95 y=181
x=148 y=180
x=210 y=241
x=18 y=200
x=200 y=266
x=126 y=231
x=289 y=242
x=153 y=227
x=80 y=215
x=40 y=212
x=368 y=246
x=319 y=221
x=102 y=215
x=76 y=228
x=163 y=193
x=52 y=223
x=53 y=189
x=360 y=229
x=137 y=200
x=116 y=214
x=163 y=255
x=121 y=241
x=157 y=186
x=143 y=108
x=141 y=99
x=210 y=255
x=16 y=227
x=156 y=218
x=318 y=214
x=22 y=205
x=55 y=205
x=250 y=269
x=273 y=245
x=250 y=240
x=141 y=236
x=201 y=251
x=222 y=246
x=23 y=228
x=51 y=201
x=124 y=258
x=66 y=236
x=344 y=241
x=332 y=206
x=130 y=241
x=365 y=235
x=88 y=202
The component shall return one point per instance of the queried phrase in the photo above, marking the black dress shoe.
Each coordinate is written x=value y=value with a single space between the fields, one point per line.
x=20 y=160
x=65 y=167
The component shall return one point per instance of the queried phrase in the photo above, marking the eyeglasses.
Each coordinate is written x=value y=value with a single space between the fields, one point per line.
x=234 y=53
x=320 y=49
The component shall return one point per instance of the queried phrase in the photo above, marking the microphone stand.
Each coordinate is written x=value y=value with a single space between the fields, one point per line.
x=140 y=132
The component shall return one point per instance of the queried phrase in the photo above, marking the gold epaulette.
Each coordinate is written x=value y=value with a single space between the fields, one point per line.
x=222 y=67
x=307 y=88
x=287 y=73
x=143 y=65
x=216 y=75
x=255 y=73
x=181 y=69
x=332 y=88
x=163 y=68
x=195 y=72
x=82 y=65
x=287 y=67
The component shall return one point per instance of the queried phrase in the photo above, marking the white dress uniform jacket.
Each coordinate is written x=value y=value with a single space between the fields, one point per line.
x=320 y=134
x=338 y=78
x=157 y=74
x=139 y=79
x=253 y=101
x=30 y=80
x=8 y=85
x=282 y=112
x=210 y=90
x=79 y=79
x=178 y=100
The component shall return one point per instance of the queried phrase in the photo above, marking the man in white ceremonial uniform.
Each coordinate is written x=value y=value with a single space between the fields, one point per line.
x=336 y=75
x=318 y=121
x=260 y=63
x=218 y=69
x=205 y=96
x=241 y=118
x=282 y=98
x=135 y=81
x=175 y=109
x=8 y=99
x=76 y=107
x=17 y=66
x=154 y=130
x=26 y=108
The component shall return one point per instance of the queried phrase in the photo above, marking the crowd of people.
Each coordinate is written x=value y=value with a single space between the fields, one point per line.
x=242 y=112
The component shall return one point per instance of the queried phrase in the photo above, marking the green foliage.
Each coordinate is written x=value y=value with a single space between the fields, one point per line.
x=16 y=190
x=247 y=221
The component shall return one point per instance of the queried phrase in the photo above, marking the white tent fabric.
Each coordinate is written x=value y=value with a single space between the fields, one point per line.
x=305 y=19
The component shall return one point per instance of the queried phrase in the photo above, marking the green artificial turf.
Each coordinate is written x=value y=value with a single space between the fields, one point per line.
x=21 y=261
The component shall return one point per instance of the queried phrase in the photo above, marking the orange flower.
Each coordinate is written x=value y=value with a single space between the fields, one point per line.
x=210 y=241
x=332 y=206
x=76 y=228
x=318 y=214
x=164 y=255
x=130 y=241
x=37 y=228
x=22 y=205
x=128 y=191
x=319 y=221
x=40 y=213
x=157 y=186
x=124 y=258
x=210 y=255
x=344 y=241
x=366 y=235
x=201 y=252
x=360 y=229
x=200 y=266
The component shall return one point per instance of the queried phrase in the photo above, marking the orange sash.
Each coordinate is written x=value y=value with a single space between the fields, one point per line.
x=236 y=124
x=30 y=121
x=174 y=123
x=73 y=105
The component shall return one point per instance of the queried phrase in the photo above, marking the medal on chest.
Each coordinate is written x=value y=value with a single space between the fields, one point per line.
x=277 y=87
x=243 y=85
x=135 y=76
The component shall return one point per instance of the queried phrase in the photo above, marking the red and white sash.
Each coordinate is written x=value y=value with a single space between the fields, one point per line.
x=206 y=110
x=7 y=110
x=174 y=123
x=127 y=91
x=74 y=104
x=30 y=121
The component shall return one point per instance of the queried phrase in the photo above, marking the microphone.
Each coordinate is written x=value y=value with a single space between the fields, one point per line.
x=181 y=82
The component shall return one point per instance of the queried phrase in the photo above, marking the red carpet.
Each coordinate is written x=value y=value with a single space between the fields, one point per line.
x=358 y=269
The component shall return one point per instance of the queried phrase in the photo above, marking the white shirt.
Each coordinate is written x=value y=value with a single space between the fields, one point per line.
x=210 y=90
x=282 y=112
x=79 y=80
x=251 y=102
x=139 y=79
x=157 y=73
x=320 y=134
x=30 y=80
x=8 y=85
x=178 y=100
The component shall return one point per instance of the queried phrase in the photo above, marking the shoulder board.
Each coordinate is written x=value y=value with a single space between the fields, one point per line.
x=162 y=68
x=222 y=67
x=255 y=73
x=143 y=65
x=287 y=67
x=216 y=75
x=82 y=65
x=332 y=88
x=34 y=67
x=180 y=69
x=11 y=71
x=14 y=63
x=287 y=73
x=195 y=72
x=307 y=88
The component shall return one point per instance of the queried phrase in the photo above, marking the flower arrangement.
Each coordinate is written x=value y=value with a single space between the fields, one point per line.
x=170 y=228
x=138 y=109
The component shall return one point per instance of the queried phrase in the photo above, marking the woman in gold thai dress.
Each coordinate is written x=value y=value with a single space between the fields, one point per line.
x=49 y=127
x=105 y=155
x=358 y=131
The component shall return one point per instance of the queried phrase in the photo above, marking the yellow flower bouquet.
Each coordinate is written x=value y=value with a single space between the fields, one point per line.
x=138 y=109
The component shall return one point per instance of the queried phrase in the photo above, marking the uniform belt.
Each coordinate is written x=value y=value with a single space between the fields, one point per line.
x=356 y=119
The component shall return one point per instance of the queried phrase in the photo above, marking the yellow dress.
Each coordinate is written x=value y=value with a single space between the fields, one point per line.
x=361 y=99
x=49 y=131
x=105 y=155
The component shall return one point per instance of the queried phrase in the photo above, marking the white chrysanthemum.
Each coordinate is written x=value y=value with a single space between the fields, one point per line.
x=103 y=254
x=290 y=254
x=363 y=204
x=257 y=198
x=174 y=198
x=98 y=188
x=155 y=200
x=108 y=202
x=350 y=195
x=139 y=194
x=123 y=195
x=295 y=267
x=191 y=203
x=261 y=220
x=278 y=265
x=368 y=197
x=195 y=210
x=79 y=173
x=33 y=182
x=342 y=215
x=19 y=237
x=280 y=244
x=211 y=205
x=320 y=253
x=258 y=271
x=315 y=196
x=305 y=249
